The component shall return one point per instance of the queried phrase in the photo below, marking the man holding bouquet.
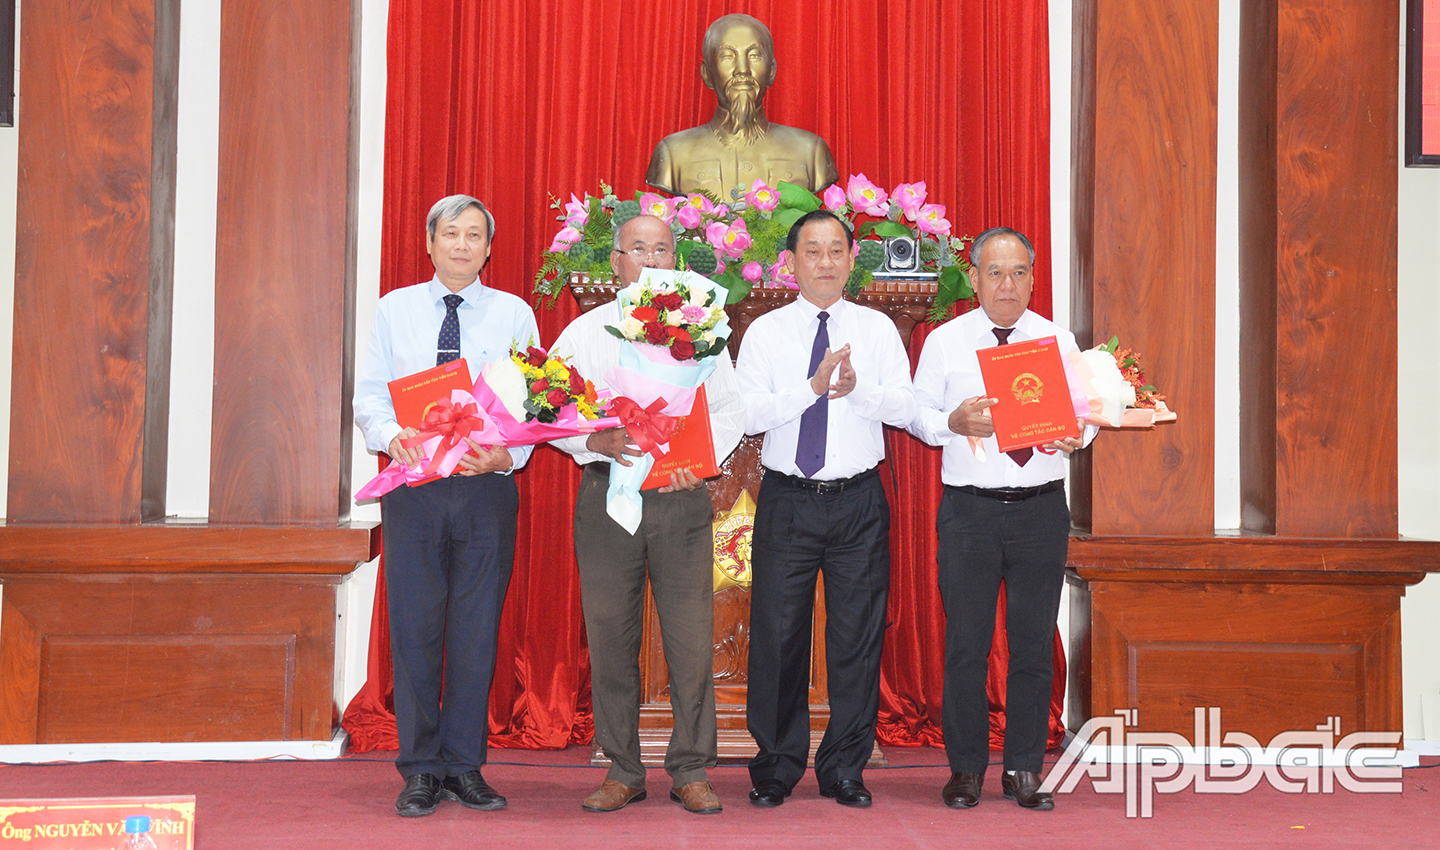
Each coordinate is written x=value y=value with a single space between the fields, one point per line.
x=672 y=545
x=450 y=543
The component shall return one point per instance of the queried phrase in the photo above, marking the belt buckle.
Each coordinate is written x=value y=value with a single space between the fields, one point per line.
x=827 y=487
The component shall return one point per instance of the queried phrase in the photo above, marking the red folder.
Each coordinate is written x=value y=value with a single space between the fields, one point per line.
x=1034 y=405
x=692 y=447
x=414 y=395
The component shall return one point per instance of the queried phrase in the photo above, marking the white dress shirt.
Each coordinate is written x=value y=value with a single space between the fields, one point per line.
x=774 y=373
x=949 y=373
x=594 y=351
x=407 y=325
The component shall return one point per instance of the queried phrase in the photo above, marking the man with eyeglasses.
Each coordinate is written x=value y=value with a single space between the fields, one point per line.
x=672 y=545
x=820 y=377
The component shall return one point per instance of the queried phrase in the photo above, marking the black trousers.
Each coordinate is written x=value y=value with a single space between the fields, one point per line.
x=449 y=547
x=799 y=534
x=981 y=542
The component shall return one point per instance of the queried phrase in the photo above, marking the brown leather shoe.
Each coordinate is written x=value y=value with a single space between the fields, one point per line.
x=697 y=797
x=612 y=796
x=1024 y=788
x=963 y=790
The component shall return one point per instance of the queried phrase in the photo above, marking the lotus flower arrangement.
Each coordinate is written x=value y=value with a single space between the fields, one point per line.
x=741 y=243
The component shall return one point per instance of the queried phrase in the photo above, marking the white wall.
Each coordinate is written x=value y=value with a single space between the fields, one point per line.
x=192 y=362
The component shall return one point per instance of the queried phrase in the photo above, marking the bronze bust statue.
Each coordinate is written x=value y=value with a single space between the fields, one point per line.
x=739 y=144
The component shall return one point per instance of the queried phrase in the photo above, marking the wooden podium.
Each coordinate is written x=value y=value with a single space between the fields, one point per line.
x=906 y=303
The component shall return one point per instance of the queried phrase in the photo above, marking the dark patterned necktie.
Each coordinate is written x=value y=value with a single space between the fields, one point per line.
x=810 y=448
x=447 y=348
x=1020 y=456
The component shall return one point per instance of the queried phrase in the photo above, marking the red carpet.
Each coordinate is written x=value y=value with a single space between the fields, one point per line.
x=349 y=803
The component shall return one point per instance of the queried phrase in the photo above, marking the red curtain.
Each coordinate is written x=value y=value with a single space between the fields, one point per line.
x=519 y=102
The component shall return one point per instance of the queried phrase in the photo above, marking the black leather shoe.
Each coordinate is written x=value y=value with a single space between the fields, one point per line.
x=769 y=793
x=471 y=791
x=419 y=795
x=1024 y=788
x=849 y=792
x=963 y=790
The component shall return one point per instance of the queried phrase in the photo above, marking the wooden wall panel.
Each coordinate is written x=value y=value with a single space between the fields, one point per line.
x=1272 y=657
x=284 y=264
x=1318 y=201
x=1144 y=250
x=95 y=224
x=167 y=658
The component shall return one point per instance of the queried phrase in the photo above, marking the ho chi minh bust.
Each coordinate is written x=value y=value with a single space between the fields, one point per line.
x=739 y=144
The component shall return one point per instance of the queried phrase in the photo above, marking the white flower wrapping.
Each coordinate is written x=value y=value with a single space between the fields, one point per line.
x=1114 y=391
x=508 y=383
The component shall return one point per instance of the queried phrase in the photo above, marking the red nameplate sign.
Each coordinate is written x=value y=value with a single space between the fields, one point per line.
x=1034 y=405
x=414 y=395
x=98 y=823
x=692 y=447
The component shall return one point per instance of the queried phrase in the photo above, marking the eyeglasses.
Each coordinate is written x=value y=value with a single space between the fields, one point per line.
x=638 y=254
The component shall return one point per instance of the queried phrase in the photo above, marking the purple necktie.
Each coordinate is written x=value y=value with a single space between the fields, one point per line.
x=447 y=347
x=1020 y=456
x=810 y=448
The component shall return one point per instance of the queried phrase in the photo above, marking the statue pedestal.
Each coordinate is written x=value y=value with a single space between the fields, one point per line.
x=906 y=302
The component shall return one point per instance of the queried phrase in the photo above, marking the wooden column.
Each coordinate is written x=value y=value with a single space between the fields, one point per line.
x=284 y=263
x=117 y=624
x=1144 y=250
x=1295 y=618
x=1318 y=166
x=93 y=260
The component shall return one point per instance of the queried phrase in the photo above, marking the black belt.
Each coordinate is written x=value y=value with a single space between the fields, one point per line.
x=837 y=485
x=1011 y=494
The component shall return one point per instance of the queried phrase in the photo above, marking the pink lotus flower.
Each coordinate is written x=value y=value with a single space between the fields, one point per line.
x=931 y=219
x=689 y=217
x=834 y=198
x=700 y=204
x=762 y=197
x=780 y=277
x=753 y=272
x=719 y=267
x=576 y=212
x=730 y=241
x=565 y=238
x=910 y=197
x=866 y=197
x=661 y=208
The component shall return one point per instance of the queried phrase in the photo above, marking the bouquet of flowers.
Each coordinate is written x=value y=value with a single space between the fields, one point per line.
x=674 y=313
x=740 y=242
x=526 y=398
x=656 y=380
x=540 y=387
x=1109 y=388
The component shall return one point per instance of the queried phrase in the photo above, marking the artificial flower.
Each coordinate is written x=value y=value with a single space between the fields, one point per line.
x=834 y=198
x=931 y=219
x=910 y=197
x=866 y=197
x=762 y=197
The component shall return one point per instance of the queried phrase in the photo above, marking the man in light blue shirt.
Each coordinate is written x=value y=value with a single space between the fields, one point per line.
x=449 y=544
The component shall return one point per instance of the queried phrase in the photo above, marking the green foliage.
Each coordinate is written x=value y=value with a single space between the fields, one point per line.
x=859 y=279
x=797 y=198
x=701 y=258
x=624 y=211
x=886 y=228
x=737 y=286
x=872 y=254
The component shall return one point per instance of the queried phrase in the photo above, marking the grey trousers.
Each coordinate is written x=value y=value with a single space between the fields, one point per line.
x=674 y=543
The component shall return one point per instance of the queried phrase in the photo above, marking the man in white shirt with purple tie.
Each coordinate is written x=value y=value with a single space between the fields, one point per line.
x=1001 y=518
x=820 y=377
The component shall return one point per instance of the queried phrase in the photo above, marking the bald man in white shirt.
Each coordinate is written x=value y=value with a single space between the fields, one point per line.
x=673 y=547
